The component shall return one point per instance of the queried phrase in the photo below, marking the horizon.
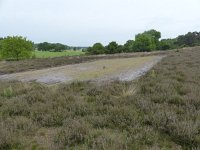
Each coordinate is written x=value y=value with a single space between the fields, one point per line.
x=78 y=23
x=93 y=43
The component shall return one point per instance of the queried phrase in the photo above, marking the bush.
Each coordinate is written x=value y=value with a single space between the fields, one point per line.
x=16 y=48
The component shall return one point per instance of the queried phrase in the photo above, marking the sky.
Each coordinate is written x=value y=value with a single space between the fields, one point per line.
x=85 y=22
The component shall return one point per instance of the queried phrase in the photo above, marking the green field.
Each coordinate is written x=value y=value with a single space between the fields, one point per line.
x=47 y=54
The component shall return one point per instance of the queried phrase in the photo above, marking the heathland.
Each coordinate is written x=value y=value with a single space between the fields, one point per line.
x=160 y=110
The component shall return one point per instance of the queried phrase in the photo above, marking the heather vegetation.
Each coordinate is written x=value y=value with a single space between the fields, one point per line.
x=158 y=111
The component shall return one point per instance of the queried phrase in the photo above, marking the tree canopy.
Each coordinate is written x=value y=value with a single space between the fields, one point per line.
x=144 y=43
x=97 y=48
x=148 y=41
x=56 y=47
x=112 y=48
x=16 y=47
x=189 y=39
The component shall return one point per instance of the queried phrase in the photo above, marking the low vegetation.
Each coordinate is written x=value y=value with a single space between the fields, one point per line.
x=7 y=67
x=159 y=111
x=124 y=69
x=47 y=54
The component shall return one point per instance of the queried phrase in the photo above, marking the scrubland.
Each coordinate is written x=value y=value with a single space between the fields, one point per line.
x=161 y=110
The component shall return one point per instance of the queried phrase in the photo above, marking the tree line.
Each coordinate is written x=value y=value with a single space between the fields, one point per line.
x=146 y=42
x=55 y=47
x=18 y=47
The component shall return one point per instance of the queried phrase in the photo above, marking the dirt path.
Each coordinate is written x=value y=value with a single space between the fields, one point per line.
x=124 y=69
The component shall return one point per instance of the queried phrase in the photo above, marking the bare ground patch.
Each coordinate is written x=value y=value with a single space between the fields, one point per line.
x=7 y=67
x=123 y=69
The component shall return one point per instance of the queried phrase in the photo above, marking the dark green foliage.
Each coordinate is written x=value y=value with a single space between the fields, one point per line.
x=147 y=41
x=129 y=46
x=112 y=48
x=1 y=39
x=150 y=41
x=15 y=48
x=167 y=44
x=190 y=39
x=156 y=35
x=96 y=49
x=144 y=43
x=54 y=47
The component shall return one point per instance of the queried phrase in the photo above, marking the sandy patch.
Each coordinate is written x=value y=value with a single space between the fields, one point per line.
x=124 y=69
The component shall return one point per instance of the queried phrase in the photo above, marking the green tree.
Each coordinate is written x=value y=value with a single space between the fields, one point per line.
x=129 y=46
x=96 y=49
x=55 y=47
x=120 y=48
x=16 y=47
x=156 y=35
x=189 y=39
x=163 y=45
x=144 y=43
x=112 y=48
x=1 y=39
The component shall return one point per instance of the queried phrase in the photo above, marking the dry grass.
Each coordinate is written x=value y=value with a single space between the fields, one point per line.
x=159 y=111
x=97 y=70
x=7 y=67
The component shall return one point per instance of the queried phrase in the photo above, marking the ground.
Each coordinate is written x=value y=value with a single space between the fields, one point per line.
x=160 y=110
x=7 y=67
x=123 y=69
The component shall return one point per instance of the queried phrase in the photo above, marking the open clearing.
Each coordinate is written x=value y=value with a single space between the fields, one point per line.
x=47 y=54
x=7 y=67
x=123 y=69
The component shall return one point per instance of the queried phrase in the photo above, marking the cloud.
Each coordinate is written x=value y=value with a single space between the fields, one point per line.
x=78 y=22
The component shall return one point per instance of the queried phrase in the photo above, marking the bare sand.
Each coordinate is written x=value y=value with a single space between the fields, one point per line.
x=123 y=69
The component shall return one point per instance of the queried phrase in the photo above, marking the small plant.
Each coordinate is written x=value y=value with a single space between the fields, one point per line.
x=153 y=74
x=8 y=92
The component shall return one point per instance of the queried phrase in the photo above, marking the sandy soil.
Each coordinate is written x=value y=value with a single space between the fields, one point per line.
x=123 y=69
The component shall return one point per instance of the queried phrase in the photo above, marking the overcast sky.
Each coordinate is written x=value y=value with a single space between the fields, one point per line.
x=85 y=22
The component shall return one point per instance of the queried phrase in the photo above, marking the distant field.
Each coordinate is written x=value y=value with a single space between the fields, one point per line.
x=46 y=54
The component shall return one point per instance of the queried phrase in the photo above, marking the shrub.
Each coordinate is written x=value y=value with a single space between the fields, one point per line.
x=16 y=48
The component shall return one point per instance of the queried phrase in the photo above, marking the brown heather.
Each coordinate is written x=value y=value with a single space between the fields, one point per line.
x=159 y=111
